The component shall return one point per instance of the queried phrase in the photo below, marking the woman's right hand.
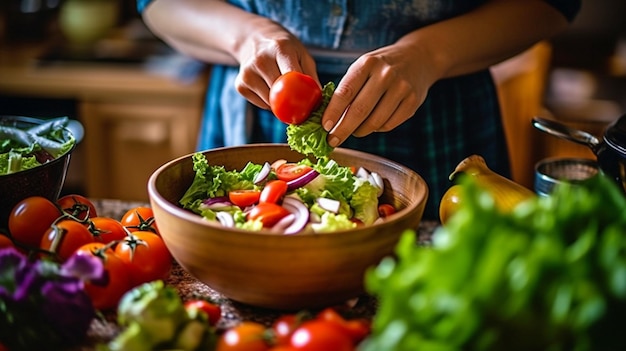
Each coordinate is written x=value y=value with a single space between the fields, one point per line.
x=268 y=52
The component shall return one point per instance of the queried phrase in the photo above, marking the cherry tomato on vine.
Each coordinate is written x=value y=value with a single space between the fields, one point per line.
x=106 y=295
x=246 y=336
x=293 y=96
x=273 y=191
x=316 y=335
x=77 y=206
x=356 y=329
x=268 y=213
x=291 y=171
x=30 y=219
x=213 y=311
x=106 y=229
x=64 y=237
x=244 y=198
x=146 y=257
x=140 y=219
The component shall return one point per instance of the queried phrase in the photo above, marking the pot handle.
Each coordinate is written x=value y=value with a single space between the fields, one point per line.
x=565 y=132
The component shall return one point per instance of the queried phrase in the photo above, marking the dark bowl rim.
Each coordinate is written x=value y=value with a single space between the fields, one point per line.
x=156 y=197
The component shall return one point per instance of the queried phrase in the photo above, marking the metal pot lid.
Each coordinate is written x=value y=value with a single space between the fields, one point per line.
x=615 y=135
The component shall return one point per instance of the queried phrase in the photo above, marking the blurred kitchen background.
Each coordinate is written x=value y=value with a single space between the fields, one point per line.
x=140 y=102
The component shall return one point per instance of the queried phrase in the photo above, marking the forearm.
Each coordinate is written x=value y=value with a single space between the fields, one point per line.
x=494 y=32
x=198 y=27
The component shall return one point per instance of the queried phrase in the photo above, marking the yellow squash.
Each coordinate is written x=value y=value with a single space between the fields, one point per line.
x=506 y=193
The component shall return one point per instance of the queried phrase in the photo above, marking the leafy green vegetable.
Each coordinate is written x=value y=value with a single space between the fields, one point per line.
x=309 y=137
x=551 y=275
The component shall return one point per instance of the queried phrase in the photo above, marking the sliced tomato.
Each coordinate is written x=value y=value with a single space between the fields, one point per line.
x=268 y=213
x=290 y=171
x=273 y=191
x=386 y=210
x=244 y=198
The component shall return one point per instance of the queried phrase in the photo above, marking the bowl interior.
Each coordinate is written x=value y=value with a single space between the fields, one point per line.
x=281 y=271
x=45 y=180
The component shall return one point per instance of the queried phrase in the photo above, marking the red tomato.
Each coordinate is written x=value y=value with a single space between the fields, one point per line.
x=356 y=329
x=106 y=295
x=77 y=206
x=244 y=198
x=386 y=210
x=291 y=171
x=293 y=96
x=31 y=218
x=268 y=213
x=5 y=241
x=106 y=229
x=64 y=237
x=284 y=326
x=317 y=335
x=146 y=256
x=273 y=191
x=140 y=219
x=213 y=311
x=246 y=336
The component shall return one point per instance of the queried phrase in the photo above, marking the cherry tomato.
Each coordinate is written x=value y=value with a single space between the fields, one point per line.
x=106 y=295
x=316 y=335
x=386 y=210
x=291 y=171
x=268 y=213
x=213 y=311
x=5 y=241
x=244 y=198
x=293 y=96
x=77 y=206
x=64 y=237
x=246 y=336
x=106 y=229
x=30 y=219
x=146 y=256
x=273 y=191
x=284 y=326
x=356 y=329
x=140 y=219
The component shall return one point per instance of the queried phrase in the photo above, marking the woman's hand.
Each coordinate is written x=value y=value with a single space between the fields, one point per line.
x=268 y=52
x=380 y=91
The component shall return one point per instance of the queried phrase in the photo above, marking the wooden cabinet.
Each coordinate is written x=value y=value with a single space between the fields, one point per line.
x=134 y=120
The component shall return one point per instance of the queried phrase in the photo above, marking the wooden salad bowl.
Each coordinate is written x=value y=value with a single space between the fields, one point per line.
x=286 y=272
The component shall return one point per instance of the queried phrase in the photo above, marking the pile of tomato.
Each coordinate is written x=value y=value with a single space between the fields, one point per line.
x=131 y=248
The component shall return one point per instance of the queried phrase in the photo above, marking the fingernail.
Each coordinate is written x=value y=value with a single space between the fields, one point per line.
x=328 y=125
x=333 y=141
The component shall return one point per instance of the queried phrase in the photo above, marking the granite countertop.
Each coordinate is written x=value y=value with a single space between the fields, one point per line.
x=105 y=328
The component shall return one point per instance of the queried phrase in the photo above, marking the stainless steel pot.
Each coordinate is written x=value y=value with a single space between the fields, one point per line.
x=610 y=151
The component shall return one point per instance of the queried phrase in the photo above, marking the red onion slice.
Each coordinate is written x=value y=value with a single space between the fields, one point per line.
x=302 y=180
x=218 y=202
x=330 y=205
x=299 y=210
x=376 y=180
x=362 y=173
x=263 y=173
x=283 y=223
x=226 y=219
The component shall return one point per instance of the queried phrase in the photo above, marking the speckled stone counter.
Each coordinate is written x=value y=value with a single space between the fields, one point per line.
x=105 y=328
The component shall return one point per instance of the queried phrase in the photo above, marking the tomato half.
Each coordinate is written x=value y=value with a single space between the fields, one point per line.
x=30 y=219
x=213 y=311
x=140 y=218
x=146 y=257
x=106 y=229
x=244 y=198
x=77 y=206
x=64 y=237
x=105 y=295
x=246 y=336
x=268 y=213
x=291 y=171
x=273 y=191
x=293 y=96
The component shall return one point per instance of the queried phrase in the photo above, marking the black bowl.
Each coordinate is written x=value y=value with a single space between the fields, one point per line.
x=45 y=180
